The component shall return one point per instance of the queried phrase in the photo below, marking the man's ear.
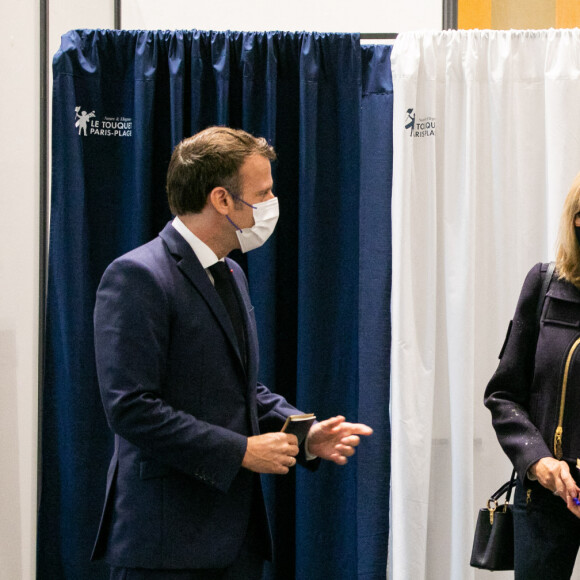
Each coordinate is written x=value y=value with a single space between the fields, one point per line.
x=220 y=199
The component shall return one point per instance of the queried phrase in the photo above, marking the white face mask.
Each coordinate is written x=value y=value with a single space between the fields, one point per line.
x=265 y=219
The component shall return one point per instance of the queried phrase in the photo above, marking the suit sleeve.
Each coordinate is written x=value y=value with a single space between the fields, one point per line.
x=273 y=410
x=507 y=394
x=132 y=324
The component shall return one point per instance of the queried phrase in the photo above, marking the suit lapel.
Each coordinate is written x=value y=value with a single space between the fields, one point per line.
x=190 y=266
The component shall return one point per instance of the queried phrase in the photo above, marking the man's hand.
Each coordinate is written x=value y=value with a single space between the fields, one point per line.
x=555 y=476
x=335 y=439
x=271 y=453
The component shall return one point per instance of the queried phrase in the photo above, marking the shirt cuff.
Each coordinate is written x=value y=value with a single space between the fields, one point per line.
x=309 y=456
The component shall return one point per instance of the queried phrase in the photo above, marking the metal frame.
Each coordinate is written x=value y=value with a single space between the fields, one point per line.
x=117 y=21
x=43 y=221
x=449 y=15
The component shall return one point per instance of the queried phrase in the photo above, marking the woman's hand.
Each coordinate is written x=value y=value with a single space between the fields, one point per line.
x=555 y=476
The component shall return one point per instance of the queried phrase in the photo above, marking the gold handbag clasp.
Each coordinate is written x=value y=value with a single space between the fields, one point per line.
x=491 y=509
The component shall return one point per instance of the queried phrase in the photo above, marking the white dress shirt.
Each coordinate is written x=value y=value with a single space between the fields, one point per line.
x=204 y=253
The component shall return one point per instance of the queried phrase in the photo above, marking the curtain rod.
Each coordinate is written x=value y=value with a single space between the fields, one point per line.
x=378 y=35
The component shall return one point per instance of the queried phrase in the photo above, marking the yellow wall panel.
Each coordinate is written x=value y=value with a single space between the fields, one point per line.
x=523 y=14
x=567 y=13
x=473 y=14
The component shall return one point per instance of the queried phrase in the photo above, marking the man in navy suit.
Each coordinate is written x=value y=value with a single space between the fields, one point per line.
x=177 y=361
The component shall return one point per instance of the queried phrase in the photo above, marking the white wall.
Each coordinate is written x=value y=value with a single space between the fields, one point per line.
x=19 y=118
x=65 y=15
x=19 y=197
x=319 y=15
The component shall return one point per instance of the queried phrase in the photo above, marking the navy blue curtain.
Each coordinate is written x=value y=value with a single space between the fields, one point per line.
x=374 y=465
x=321 y=287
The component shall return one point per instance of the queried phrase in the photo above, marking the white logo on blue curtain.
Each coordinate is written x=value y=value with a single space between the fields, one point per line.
x=105 y=126
x=83 y=119
x=424 y=127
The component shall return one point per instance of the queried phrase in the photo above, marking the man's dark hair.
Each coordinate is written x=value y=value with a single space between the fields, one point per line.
x=211 y=158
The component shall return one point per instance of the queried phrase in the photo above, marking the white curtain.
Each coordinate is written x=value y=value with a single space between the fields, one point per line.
x=486 y=143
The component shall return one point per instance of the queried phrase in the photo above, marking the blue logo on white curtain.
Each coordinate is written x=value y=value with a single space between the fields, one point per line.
x=423 y=127
x=104 y=127
x=410 y=121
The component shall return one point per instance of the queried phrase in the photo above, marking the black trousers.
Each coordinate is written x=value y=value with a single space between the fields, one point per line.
x=546 y=534
x=247 y=566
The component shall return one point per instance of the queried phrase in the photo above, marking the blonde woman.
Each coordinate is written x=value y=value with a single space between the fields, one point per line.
x=534 y=399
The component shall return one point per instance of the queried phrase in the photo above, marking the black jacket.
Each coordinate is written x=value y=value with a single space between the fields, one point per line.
x=534 y=396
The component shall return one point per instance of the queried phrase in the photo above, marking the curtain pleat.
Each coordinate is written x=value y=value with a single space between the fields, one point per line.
x=374 y=461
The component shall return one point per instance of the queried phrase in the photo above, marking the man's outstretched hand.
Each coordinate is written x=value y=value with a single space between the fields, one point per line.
x=335 y=439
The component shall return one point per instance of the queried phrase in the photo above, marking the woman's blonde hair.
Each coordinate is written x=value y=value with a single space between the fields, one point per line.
x=568 y=248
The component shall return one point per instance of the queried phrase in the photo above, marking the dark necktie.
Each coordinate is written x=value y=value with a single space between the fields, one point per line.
x=223 y=283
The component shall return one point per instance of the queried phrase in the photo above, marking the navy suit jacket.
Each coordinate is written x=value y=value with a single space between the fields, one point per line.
x=181 y=403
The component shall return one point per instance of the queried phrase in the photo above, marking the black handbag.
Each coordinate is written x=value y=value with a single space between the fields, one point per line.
x=493 y=543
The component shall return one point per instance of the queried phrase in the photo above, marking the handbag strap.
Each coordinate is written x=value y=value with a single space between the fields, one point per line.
x=512 y=483
x=545 y=285
x=505 y=488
